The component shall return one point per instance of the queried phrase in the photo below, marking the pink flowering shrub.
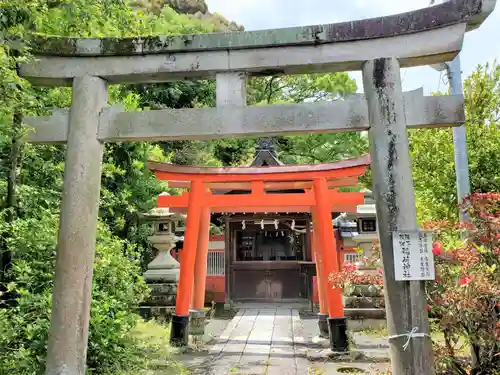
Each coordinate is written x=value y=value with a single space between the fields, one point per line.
x=464 y=299
x=350 y=275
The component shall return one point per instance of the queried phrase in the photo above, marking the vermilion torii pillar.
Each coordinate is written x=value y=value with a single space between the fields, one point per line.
x=376 y=46
x=180 y=321
x=200 y=269
x=323 y=228
x=321 y=283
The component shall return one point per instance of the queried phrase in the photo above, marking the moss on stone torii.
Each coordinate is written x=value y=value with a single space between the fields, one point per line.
x=471 y=12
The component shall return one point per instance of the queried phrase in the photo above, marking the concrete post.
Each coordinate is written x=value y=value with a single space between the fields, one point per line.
x=68 y=335
x=459 y=138
x=395 y=203
x=454 y=72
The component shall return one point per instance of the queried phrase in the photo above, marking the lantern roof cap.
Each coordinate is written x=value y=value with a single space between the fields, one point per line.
x=161 y=213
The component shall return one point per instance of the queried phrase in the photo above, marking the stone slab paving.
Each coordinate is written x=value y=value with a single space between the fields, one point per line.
x=259 y=342
x=277 y=341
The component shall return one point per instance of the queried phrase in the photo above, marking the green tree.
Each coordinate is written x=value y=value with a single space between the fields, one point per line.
x=299 y=88
x=310 y=148
x=433 y=152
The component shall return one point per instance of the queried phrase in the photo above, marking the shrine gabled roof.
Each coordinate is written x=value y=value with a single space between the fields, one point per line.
x=275 y=178
x=265 y=158
x=208 y=172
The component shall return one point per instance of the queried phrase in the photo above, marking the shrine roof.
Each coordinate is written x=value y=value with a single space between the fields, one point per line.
x=470 y=12
x=173 y=172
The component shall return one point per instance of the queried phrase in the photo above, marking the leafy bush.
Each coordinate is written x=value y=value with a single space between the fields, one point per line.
x=465 y=297
x=117 y=289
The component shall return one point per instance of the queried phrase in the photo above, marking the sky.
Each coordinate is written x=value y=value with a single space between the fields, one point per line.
x=480 y=46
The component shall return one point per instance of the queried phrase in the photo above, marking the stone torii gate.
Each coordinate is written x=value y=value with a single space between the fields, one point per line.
x=379 y=47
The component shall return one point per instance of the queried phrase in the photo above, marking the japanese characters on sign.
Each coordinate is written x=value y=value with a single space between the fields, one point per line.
x=413 y=258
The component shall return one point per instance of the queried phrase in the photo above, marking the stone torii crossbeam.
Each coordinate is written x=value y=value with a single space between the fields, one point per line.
x=379 y=47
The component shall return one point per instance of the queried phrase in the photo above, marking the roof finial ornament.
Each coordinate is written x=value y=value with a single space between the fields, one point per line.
x=266 y=144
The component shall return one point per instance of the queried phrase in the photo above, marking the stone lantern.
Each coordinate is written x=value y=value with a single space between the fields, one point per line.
x=162 y=274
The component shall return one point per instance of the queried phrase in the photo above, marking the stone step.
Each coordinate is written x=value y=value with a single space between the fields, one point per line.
x=357 y=325
x=363 y=302
x=363 y=290
x=164 y=288
x=162 y=300
x=373 y=313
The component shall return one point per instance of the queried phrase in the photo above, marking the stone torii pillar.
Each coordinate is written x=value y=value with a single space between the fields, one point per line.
x=71 y=296
x=395 y=203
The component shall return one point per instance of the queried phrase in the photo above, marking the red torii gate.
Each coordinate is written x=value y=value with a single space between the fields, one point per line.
x=316 y=181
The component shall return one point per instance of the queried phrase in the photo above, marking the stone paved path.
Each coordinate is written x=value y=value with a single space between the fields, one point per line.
x=276 y=340
x=260 y=341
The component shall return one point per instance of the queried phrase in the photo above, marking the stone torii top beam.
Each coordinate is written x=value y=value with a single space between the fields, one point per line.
x=115 y=125
x=421 y=37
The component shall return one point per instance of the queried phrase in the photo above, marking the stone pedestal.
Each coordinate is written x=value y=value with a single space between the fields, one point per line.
x=197 y=322
x=164 y=268
x=364 y=307
x=162 y=275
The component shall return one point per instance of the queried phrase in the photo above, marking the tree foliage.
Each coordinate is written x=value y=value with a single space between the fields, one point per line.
x=310 y=148
x=432 y=150
x=117 y=289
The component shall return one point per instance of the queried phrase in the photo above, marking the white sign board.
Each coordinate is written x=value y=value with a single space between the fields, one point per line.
x=413 y=258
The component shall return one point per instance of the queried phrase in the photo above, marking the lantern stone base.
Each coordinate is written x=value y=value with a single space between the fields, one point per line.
x=361 y=290
x=161 y=303
x=162 y=300
x=162 y=276
x=362 y=302
x=364 y=307
x=163 y=294
x=197 y=322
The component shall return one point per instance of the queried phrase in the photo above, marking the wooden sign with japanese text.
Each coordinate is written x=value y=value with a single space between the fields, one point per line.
x=413 y=258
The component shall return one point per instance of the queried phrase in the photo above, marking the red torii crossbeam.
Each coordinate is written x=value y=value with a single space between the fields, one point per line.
x=262 y=202
x=263 y=185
